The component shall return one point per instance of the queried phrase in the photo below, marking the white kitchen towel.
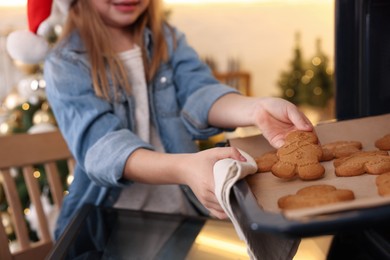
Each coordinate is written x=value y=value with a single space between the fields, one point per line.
x=261 y=245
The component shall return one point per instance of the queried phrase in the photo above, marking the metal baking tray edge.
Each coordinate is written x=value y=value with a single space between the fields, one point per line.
x=252 y=218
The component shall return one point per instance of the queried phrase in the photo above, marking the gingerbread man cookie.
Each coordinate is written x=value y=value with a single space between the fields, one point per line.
x=340 y=149
x=339 y=161
x=266 y=161
x=383 y=184
x=314 y=196
x=383 y=143
x=300 y=156
x=361 y=163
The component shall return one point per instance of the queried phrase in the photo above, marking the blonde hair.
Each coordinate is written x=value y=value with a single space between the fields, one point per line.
x=83 y=17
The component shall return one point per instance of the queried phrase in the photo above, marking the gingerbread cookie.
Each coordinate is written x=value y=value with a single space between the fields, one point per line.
x=383 y=143
x=339 y=161
x=361 y=163
x=300 y=156
x=383 y=184
x=340 y=149
x=266 y=161
x=314 y=196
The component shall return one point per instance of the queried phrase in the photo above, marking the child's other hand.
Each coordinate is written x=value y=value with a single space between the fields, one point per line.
x=200 y=178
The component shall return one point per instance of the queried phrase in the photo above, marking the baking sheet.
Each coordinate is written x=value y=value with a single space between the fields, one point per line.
x=268 y=189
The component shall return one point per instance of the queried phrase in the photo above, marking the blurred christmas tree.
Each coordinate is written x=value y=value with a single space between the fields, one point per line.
x=25 y=109
x=320 y=86
x=307 y=83
x=291 y=81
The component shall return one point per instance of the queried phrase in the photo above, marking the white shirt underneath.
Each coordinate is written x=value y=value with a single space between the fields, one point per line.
x=132 y=60
x=139 y=196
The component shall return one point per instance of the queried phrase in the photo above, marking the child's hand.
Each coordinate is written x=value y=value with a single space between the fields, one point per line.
x=199 y=175
x=276 y=117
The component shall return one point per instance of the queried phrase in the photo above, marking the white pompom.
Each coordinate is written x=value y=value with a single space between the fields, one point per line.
x=27 y=47
x=41 y=128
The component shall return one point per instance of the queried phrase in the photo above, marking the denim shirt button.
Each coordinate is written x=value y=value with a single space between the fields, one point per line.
x=163 y=80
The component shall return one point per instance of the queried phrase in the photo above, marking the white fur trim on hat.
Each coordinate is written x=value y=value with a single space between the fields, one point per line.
x=27 y=47
x=30 y=46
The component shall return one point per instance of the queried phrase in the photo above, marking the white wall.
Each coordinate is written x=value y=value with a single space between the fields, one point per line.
x=12 y=18
x=261 y=35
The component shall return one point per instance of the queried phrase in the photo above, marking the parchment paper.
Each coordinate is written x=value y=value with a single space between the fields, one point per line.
x=268 y=189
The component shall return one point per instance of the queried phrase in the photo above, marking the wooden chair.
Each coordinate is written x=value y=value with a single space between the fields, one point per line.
x=239 y=80
x=24 y=151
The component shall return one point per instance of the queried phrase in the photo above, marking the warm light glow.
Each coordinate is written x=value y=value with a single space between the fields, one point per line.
x=309 y=73
x=208 y=241
x=290 y=92
x=12 y=100
x=305 y=79
x=4 y=128
x=317 y=91
x=26 y=106
x=36 y=174
x=316 y=61
x=69 y=179
x=13 y=3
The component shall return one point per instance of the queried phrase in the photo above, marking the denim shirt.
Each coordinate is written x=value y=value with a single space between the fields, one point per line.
x=100 y=133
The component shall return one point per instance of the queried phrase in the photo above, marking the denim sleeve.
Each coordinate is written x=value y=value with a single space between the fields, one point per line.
x=94 y=134
x=197 y=88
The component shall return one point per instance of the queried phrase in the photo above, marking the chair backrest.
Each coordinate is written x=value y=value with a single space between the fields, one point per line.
x=24 y=152
x=240 y=80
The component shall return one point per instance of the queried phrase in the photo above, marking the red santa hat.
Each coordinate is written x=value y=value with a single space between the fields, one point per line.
x=31 y=46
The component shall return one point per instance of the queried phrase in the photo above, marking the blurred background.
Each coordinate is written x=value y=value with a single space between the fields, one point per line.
x=282 y=48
